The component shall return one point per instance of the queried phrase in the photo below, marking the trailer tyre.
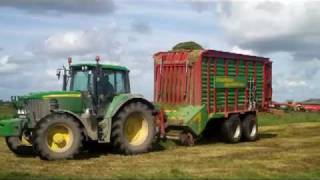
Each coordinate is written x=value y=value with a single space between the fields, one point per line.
x=19 y=146
x=231 y=129
x=58 y=136
x=249 y=127
x=133 y=129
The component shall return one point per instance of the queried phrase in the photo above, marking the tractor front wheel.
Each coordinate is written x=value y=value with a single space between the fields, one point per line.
x=133 y=129
x=58 y=136
x=19 y=145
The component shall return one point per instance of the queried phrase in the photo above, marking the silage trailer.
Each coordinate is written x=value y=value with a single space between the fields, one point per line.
x=197 y=90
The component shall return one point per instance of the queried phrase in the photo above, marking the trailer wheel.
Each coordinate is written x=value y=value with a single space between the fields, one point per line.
x=231 y=129
x=249 y=127
x=19 y=145
x=133 y=129
x=58 y=136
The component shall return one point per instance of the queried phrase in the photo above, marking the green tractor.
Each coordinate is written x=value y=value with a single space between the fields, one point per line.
x=95 y=105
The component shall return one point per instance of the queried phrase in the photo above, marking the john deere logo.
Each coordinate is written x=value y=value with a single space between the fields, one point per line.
x=230 y=82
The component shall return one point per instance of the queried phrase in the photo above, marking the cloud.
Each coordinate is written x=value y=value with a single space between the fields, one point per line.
x=199 y=6
x=24 y=73
x=141 y=27
x=58 y=6
x=271 y=26
x=294 y=79
x=6 y=66
x=80 y=43
x=236 y=49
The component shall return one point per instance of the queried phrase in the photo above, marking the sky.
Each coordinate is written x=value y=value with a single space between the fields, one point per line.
x=37 y=36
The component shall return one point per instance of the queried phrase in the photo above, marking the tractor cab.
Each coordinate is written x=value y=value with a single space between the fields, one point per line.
x=99 y=83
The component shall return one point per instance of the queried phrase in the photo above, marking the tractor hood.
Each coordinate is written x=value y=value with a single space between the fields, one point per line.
x=65 y=100
x=53 y=94
x=20 y=100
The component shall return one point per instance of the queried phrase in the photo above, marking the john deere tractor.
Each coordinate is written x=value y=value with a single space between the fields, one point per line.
x=94 y=105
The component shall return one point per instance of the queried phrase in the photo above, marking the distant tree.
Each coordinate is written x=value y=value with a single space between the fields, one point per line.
x=189 y=45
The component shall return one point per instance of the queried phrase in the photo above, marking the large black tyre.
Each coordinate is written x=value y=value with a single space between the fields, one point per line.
x=18 y=147
x=249 y=128
x=133 y=129
x=231 y=129
x=58 y=136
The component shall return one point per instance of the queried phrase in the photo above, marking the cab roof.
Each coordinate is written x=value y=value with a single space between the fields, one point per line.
x=104 y=66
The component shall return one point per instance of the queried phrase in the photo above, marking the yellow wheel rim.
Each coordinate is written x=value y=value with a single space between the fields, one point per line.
x=136 y=129
x=25 y=141
x=59 y=138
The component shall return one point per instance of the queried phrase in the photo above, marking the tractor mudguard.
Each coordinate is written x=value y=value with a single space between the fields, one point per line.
x=12 y=127
x=117 y=103
x=89 y=130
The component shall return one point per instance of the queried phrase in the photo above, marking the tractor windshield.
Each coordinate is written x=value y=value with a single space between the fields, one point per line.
x=81 y=81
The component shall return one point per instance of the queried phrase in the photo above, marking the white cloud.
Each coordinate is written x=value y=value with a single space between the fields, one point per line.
x=295 y=80
x=6 y=66
x=80 y=42
x=296 y=83
x=237 y=49
x=270 y=26
x=251 y=20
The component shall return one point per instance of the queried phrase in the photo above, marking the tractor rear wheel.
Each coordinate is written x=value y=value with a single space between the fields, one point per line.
x=249 y=128
x=19 y=145
x=133 y=129
x=58 y=136
x=231 y=129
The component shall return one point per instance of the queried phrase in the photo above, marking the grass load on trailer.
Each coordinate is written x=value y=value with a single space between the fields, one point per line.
x=197 y=89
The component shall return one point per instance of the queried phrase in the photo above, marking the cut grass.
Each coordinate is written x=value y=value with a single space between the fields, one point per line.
x=289 y=150
x=268 y=119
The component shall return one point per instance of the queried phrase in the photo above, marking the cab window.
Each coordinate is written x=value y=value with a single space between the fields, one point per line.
x=113 y=82
x=120 y=82
x=81 y=81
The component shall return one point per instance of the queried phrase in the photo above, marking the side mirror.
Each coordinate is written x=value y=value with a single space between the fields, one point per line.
x=58 y=73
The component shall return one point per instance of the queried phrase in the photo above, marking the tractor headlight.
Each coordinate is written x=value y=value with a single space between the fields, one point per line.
x=54 y=104
x=21 y=112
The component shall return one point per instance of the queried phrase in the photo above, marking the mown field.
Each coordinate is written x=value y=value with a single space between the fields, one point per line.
x=289 y=148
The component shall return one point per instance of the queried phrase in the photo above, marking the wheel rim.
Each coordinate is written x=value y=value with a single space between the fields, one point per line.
x=25 y=141
x=237 y=132
x=253 y=131
x=59 y=138
x=136 y=129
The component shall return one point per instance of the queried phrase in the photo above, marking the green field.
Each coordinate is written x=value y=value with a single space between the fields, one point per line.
x=6 y=110
x=289 y=148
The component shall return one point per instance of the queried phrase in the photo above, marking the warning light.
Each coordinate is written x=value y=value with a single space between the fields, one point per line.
x=69 y=60
x=97 y=59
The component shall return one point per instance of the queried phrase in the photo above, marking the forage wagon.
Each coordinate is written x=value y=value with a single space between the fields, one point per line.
x=208 y=89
